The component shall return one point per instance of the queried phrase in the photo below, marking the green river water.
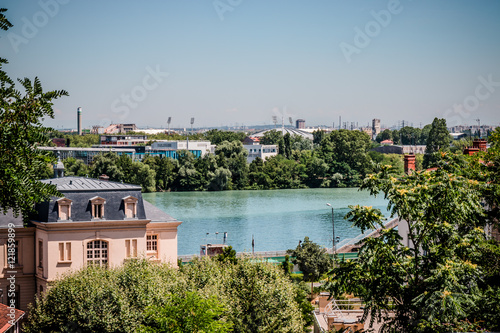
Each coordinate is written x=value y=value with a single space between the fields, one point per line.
x=277 y=219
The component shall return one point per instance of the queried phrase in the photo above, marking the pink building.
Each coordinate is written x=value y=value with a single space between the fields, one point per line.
x=95 y=222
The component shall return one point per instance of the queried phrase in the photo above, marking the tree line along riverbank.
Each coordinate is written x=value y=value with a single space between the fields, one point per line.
x=341 y=158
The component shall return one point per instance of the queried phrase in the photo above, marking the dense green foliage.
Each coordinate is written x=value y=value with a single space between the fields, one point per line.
x=186 y=313
x=340 y=160
x=74 y=167
x=439 y=140
x=21 y=130
x=446 y=277
x=75 y=140
x=311 y=259
x=98 y=299
x=406 y=136
x=209 y=294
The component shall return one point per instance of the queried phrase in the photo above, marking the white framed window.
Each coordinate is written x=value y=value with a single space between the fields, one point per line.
x=64 y=209
x=64 y=252
x=130 y=206
x=97 y=204
x=152 y=245
x=97 y=252
x=131 y=248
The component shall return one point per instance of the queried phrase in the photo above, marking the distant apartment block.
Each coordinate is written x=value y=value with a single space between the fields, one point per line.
x=367 y=130
x=300 y=124
x=251 y=140
x=398 y=149
x=473 y=130
x=206 y=147
x=119 y=128
x=255 y=149
x=123 y=140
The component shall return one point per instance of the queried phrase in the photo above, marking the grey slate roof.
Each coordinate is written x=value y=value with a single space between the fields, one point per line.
x=87 y=184
x=6 y=219
x=80 y=190
x=157 y=215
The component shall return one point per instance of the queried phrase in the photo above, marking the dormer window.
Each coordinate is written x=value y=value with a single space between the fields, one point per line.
x=64 y=209
x=97 y=204
x=130 y=207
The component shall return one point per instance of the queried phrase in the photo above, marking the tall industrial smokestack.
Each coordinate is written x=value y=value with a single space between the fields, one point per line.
x=79 y=120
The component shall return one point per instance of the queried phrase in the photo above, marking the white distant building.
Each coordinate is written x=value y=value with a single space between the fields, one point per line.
x=262 y=151
x=206 y=147
x=120 y=128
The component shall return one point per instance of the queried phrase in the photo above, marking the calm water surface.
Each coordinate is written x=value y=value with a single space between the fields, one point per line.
x=277 y=219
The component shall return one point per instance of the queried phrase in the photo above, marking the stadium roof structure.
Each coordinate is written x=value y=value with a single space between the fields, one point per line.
x=292 y=131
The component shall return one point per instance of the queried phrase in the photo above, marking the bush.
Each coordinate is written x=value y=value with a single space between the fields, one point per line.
x=253 y=297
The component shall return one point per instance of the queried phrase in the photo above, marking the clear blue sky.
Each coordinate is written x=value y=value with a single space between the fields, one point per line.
x=243 y=61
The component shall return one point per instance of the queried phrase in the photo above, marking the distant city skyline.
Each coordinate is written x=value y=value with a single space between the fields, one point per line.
x=229 y=62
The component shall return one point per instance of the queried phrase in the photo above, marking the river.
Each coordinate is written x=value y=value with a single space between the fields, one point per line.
x=277 y=219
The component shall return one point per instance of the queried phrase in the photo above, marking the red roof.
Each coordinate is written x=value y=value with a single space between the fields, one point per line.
x=251 y=139
x=8 y=318
x=386 y=142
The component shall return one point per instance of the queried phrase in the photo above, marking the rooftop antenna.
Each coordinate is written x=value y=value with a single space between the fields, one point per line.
x=168 y=123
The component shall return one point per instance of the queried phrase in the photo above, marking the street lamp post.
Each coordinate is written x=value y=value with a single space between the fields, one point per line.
x=333 y=229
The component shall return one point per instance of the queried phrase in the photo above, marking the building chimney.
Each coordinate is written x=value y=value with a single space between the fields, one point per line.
x=409 y=163
x=58 y=167
x=79 y=120
x=104 y=177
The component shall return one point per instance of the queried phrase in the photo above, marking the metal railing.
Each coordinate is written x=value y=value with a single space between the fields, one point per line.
x=346 y=242
x=352 y=241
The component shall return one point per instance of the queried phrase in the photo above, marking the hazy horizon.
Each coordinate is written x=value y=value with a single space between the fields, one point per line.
x=237 y=62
